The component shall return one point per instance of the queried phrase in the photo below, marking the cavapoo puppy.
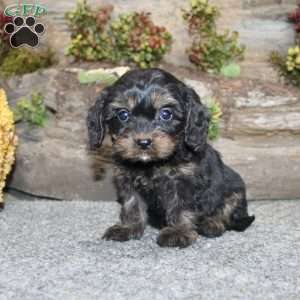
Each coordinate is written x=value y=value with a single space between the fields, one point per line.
x=166 y=173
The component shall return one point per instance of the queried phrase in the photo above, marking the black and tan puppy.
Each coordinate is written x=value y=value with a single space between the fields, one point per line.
x=166 y=172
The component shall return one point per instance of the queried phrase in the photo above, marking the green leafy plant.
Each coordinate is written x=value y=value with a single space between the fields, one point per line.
x=131 y=38
x=139 y=40
x=289 y=65
x=33 y=111
x=89 y=37
x=215 y=117
x=210 y=51
x=22 y=61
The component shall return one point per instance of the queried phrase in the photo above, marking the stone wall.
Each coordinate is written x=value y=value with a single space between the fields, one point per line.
x=260 y=136
x=261 y=23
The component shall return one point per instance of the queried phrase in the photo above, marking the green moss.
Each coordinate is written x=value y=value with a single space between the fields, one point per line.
x=3 y=51
x=22 y=61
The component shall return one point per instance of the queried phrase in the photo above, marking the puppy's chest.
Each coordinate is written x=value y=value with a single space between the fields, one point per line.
x=161 y=180
x=150 y=180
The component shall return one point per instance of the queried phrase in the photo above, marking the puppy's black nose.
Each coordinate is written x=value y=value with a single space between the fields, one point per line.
x=144 y=143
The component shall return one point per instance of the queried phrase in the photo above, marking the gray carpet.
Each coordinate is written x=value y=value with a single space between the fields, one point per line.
x=53 y=250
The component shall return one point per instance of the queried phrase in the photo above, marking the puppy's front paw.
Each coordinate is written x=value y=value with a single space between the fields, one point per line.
x=174 y=237
x=122 y=233
x=117 y=233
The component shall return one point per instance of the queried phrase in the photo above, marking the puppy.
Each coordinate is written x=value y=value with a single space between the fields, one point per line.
x=166 y=173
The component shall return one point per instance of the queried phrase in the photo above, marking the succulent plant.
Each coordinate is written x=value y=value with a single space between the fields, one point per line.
x=8 y=142
x=289 y=65
x=131 y=38
x=210 y=50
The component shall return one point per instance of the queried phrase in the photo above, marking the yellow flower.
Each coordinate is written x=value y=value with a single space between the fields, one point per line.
x=209 y=10
x=8 y=141
x=291 y=51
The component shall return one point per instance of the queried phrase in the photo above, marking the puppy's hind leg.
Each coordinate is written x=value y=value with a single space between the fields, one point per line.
x=233 y=216
x=235 y=213
x=211 y=227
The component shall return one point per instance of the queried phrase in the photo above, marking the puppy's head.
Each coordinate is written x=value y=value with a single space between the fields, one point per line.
x=150 y=115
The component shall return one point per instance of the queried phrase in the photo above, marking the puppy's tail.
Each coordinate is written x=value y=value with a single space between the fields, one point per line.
x=241 y=223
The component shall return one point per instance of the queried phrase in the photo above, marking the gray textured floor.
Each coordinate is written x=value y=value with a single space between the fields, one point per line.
x=52 y=250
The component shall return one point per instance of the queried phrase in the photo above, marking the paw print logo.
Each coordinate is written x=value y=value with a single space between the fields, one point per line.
x=24 y=31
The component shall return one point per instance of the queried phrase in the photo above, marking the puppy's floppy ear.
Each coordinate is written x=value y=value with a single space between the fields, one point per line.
x=197 y=122
x=96 y=121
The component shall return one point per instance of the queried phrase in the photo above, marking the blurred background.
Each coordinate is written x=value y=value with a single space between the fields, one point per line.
x=242 y=57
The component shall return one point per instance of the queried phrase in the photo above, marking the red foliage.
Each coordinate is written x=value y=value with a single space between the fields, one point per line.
x=104 y=16
x=143 y=23
x=3 y=20
x=294 y=17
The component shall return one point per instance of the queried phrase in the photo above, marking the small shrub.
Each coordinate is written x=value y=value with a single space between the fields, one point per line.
x=33 y=111
x=210 y=50
x=215 y=117
x=289 y=65
x=131 y=38
x=139 y=40
x=22 y=61
x=89 y=39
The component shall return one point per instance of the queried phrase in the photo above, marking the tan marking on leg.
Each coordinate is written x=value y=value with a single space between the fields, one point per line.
x=187 y=169
x=230 y=204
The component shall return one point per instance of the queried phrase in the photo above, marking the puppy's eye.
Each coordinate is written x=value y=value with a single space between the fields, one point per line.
x=165 y=114
x=123 y=115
